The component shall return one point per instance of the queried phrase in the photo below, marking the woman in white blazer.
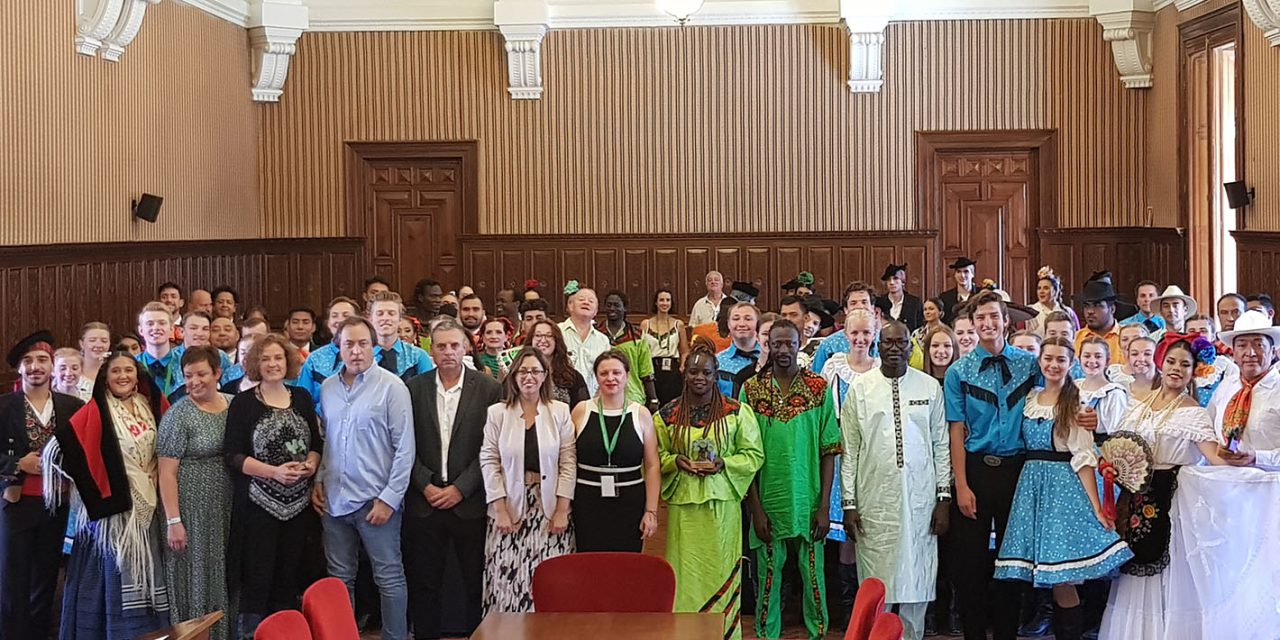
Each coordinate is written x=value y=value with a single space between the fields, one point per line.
x=529 y=466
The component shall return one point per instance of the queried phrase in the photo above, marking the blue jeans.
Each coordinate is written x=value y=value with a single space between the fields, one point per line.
x=342 y=538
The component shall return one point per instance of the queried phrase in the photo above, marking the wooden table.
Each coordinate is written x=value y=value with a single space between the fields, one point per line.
x=197 y=629
x=600 y=626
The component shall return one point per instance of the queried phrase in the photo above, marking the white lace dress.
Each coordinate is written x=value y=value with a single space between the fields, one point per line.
x=1137 y=607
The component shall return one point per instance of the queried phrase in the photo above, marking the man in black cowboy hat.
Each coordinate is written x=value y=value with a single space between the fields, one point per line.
x=962 y=270
x=1099 y=308
x=744 y=291
x=896 y=303
x=30 y=535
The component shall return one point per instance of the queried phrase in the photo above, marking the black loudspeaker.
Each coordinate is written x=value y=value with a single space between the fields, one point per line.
x=148 y=208
x=1238 y=195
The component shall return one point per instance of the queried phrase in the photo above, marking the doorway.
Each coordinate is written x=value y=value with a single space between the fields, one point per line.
x=1212 y=151
x=985 y=193
x=412 y=202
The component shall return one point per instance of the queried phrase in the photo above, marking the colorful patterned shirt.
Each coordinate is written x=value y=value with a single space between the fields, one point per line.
x=631 y=342
x=797 y=429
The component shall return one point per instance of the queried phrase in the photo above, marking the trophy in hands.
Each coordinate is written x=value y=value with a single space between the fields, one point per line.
x=704 y=455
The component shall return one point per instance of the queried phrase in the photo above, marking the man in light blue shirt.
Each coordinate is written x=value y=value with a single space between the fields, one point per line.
x=1147 y=291
x=368 y=456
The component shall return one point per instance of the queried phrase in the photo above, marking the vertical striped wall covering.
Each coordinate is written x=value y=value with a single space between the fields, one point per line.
x=1261 y=121
x=81 y=137
x=1262 y=128
x=703 y=129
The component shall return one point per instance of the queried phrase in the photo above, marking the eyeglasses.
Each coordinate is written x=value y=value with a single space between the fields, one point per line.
x=529 y=373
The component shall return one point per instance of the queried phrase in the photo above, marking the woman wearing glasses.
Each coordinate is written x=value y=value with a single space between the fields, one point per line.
x=529 y=466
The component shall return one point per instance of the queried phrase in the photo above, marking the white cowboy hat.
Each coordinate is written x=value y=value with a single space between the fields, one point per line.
x=1174 y=291
x=1250 y=322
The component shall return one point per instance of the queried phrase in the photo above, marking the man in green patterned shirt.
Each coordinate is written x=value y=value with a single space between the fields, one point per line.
x=626 y=338
x=791 y=497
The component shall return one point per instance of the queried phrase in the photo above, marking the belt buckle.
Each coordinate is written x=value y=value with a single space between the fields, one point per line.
x=992 y=461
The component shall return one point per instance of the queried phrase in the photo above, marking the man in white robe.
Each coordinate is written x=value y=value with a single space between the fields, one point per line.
x=896 y=477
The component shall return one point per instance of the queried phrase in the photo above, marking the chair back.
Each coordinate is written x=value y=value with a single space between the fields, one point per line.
x=328 y=609
x=283 y=625
x=866 y=606
x=888 y=627
x=604 y=582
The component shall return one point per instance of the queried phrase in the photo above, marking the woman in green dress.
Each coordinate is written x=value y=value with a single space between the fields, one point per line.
x=709 y=453
x=196 y=492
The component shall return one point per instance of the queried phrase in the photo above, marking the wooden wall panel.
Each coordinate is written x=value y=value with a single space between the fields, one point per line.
x=638 y=265
x=82 y=136
x=1258 y=254
x=60 y=287
x=740 y=129
x=1131 y=254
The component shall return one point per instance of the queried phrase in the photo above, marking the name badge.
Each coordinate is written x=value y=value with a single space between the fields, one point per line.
x=666 y=364
x=607 y=488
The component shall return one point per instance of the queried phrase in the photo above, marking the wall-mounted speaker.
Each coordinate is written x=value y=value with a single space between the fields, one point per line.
x=1238 y=195
x=148 y=208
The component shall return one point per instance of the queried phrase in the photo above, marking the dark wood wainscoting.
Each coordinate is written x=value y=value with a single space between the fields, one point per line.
x=1131 y=254
x=638 y=265
x=59 y=287
x=1258 y=260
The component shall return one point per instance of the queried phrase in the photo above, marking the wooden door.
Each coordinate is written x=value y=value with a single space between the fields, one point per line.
x=412 y=202
x=985 y=194
x=1211 y=145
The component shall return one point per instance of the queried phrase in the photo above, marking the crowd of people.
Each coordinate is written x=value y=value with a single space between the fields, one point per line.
x=956 y=447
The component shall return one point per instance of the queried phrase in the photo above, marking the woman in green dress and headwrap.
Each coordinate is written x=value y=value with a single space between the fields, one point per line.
x=709 y=455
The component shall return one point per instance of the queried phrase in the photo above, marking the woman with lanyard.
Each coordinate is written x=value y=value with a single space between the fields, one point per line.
x=619 y=477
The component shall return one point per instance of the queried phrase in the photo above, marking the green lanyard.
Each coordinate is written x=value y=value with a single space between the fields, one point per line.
x=609 y=444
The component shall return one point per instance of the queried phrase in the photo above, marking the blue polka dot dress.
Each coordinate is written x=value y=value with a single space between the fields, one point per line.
x=1053 y=537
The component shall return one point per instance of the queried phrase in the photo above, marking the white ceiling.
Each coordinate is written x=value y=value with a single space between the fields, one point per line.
x=416 y=15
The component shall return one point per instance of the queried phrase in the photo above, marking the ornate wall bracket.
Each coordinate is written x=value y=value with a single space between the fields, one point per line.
x=274 y=29
x=523 y=24
x=94 y=21
x=867 y=23
x=1265 y=14
x=1128 y=25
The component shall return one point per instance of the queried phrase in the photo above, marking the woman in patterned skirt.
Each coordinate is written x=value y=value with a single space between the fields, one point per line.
x=196 y=492
x=272 y=447
x=710 y=452
x=529 y=467
x=1058 y=535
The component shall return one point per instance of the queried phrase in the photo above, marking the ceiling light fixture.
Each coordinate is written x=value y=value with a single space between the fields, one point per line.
x=681 y=10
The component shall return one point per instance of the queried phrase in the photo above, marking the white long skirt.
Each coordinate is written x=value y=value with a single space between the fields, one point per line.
x=1136 y=609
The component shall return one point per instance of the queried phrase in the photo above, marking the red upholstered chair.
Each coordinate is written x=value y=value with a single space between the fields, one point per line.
x=604 y=582
x=868 y=605
x=888 y=627
x=328 y=609
x=283 y=625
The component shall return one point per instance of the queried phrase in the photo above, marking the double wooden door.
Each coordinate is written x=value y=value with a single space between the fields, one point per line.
x=412 y=202
x=984 y=194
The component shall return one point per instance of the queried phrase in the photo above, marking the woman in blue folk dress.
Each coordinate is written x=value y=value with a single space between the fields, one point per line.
x=1058 y=535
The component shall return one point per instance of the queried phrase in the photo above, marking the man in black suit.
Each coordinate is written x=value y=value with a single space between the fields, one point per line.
x=962 y=270
x=896 y=303
x=30 y=535
x=446 y=502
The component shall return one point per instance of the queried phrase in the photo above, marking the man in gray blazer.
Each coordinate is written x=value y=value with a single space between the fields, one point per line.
x=446 y=502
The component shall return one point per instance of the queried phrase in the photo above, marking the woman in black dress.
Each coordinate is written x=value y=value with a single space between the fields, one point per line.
x=615 y=507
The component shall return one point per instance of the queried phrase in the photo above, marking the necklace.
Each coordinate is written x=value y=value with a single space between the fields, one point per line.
x=1148 y=410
